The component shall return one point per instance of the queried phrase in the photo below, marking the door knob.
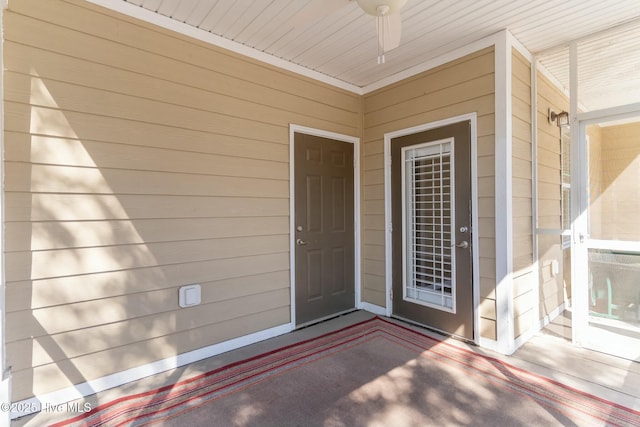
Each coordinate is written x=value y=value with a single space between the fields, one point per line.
x=464 y=244
x=300 y=242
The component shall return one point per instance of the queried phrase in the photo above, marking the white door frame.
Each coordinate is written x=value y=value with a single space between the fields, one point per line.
x=356 y=210
x=580 y=193
x=475 y=260
x=580 y=211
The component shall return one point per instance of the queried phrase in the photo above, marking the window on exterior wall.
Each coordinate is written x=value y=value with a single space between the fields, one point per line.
x=565 y=146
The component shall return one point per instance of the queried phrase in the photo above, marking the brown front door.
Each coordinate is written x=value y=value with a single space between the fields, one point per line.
x=431 y=216
x=324 y=227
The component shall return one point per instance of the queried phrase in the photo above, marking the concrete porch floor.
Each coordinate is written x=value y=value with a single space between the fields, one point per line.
x=551 y=353
x=548 y=353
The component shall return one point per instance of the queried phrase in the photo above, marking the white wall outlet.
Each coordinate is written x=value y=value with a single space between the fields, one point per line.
x=190 y=295
x=555 y=267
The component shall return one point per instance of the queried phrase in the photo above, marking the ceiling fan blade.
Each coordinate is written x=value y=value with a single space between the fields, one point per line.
x=315 y=11
x=389 y=28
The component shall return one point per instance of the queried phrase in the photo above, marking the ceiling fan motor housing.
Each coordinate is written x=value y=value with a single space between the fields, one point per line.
x=381 y=7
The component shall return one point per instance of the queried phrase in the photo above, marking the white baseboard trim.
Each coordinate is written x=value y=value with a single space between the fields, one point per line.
x=65 y=395
x=522 y=339
x=373 y=308
x=542 y=323
x=488 y=344
x=552 y=315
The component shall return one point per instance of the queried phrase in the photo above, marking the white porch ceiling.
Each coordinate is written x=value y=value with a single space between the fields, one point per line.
x=343 y=44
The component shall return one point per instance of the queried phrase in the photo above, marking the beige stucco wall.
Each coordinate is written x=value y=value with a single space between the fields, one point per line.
x=139 y=160
x=459 y=87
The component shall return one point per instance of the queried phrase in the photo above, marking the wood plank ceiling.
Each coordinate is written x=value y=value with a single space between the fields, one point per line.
x=341 y=42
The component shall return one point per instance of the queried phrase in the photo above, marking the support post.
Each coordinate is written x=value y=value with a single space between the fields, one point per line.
x=503 y=194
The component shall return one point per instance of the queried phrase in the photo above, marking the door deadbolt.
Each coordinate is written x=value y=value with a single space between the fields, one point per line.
x=464 y=229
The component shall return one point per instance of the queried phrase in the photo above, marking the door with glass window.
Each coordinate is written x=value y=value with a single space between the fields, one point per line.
x=611 y=242
x=431 y=216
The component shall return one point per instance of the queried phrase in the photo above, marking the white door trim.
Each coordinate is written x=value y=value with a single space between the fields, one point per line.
x=580 y=242
x=580 y=192
x=473 y=118
x=356 y=209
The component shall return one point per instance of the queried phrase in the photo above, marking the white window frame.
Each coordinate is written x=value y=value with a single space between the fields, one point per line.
x=405 y=234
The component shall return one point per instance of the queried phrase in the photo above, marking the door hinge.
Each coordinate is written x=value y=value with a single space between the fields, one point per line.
x=391 y=294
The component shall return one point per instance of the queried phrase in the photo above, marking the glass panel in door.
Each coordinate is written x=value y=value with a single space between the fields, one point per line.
x=428 y=195
x=613 y=244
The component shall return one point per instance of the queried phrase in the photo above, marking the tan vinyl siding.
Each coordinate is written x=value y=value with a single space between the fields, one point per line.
x=523 y=282
x=523 y=303
x=521 y=163
x=552 y=287
x=462 y=86
x=139 y=160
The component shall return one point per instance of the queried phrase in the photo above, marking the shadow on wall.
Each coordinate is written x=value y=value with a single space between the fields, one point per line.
x=62 y=263
x=100 y=235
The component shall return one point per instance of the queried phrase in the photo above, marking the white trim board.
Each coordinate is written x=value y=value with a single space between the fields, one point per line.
x=120 y=378
x=473 y=118
x=622 y=112
x=534 y=190
x=503 y=193
x=614 y=245
x=434 y=62
x=538 y=326
x=148 y=16
x=356 y=209
x=373 y=308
